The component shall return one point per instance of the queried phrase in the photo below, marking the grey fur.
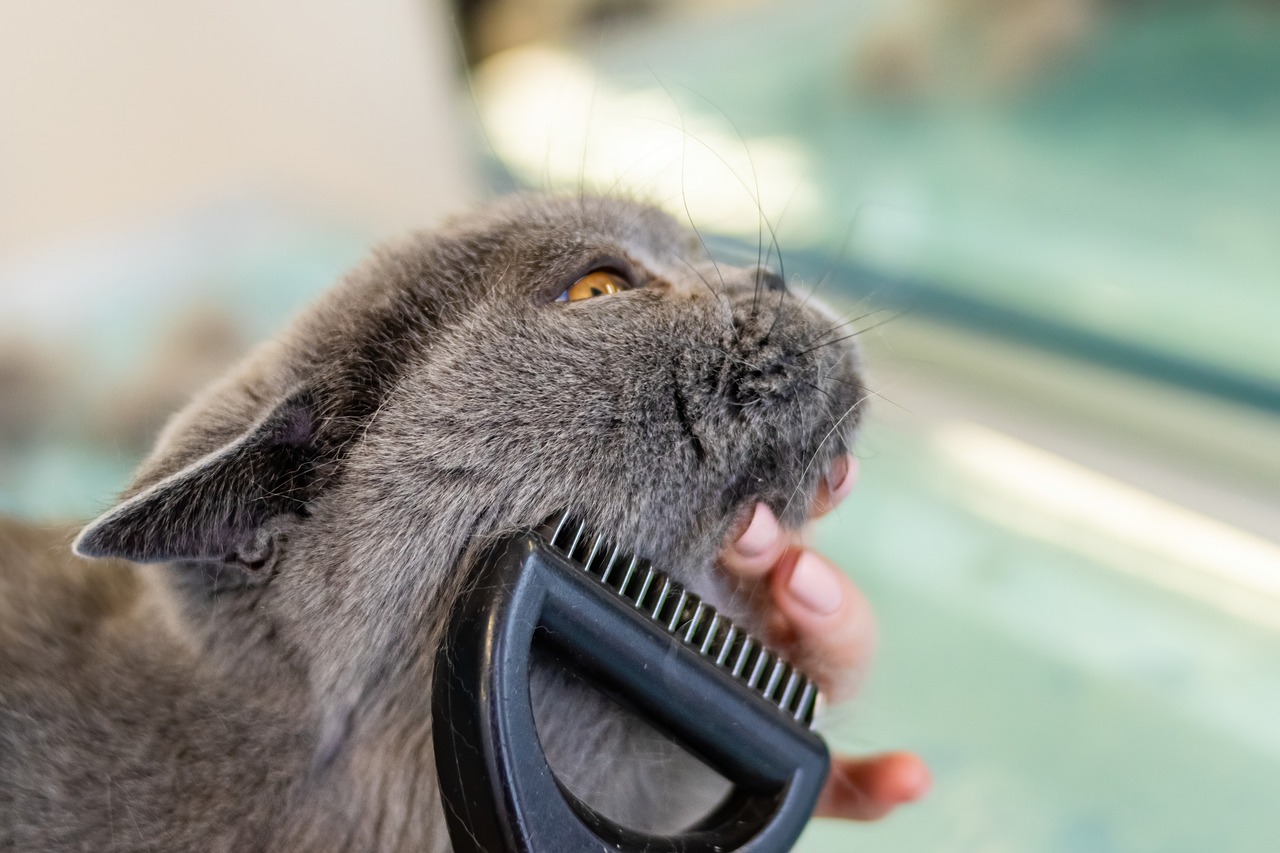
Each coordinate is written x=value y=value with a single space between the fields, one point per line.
x=266 y=684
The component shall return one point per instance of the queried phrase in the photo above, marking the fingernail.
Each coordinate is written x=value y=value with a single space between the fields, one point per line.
x=912 y=780
x=844 y=473
x=814 y=584
x=760 y=534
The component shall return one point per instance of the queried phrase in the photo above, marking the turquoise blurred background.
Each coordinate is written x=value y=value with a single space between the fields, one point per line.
x=1052 y=223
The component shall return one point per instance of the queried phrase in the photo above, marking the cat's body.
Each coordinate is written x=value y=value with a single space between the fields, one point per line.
x=116 y=733
x=266 y=685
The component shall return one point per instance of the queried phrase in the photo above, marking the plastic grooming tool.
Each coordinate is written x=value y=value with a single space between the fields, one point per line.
x=641 y=637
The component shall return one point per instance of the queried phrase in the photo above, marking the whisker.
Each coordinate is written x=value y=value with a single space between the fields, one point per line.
x=617 y=181
x=461 y=50
x=852 y=335
x=754 y=196
x=591 y=111
x=871 y=391
x=844 y=320
x=703 y=279
x=761 y=218
x=856 y=403
x=684 y=137
x=824 y=392
x=839 y=257
x=782 y=266
x=777 y=309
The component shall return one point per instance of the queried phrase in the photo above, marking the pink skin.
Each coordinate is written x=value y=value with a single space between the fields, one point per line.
x=818 y=613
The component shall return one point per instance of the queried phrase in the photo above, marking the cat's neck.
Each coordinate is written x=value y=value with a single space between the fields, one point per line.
x=363 y=767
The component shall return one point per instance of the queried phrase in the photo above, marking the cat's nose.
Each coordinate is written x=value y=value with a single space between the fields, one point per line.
x=770 y=281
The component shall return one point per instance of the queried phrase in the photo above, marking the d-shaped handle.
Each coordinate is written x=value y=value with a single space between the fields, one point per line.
x=500 y=795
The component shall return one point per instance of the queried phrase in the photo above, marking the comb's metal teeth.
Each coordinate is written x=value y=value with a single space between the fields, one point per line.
x=662 y=598
x=711 y=632
x=805 y=703
x=742 y=657
x=819 y=704
x=729 y=637
x=644 y=586
x=790 y=690
x=595 y=548
x=757 y=669
x=577 y=537
x=678 y=612
x=626 y=580
x=693 y=622
x=608 y=567
x=555 y=537
x=774 y=677
x=798 y=697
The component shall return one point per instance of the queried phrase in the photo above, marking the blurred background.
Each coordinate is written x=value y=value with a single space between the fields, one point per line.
x=1054 y=224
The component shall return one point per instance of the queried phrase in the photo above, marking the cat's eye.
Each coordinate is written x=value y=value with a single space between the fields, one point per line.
x=596 y=283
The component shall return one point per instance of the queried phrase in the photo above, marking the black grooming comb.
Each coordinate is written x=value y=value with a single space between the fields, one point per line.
x=649 y=642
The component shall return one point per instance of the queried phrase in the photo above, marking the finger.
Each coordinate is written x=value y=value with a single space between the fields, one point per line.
x=758 y=548
x=870 y=788
x=828 y=619
x=837 y=486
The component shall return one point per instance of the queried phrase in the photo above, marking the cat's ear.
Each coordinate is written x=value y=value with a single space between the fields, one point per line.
x=216 y=507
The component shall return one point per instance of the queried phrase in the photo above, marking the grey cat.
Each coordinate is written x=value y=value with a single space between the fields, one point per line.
x=245 y=661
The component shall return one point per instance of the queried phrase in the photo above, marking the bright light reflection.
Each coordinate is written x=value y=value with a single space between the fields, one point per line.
x=558 y=127
x=1076 y=497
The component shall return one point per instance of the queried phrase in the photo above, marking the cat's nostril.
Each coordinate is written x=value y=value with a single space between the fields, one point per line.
x=770 y=281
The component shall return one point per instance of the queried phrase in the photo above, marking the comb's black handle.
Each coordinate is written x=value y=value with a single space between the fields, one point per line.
x=500 y=796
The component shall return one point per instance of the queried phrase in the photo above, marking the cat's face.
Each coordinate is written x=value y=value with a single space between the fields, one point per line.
x=469 y=383
x=657 y=412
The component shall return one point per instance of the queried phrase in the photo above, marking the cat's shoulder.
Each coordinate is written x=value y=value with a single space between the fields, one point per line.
x=55 y=605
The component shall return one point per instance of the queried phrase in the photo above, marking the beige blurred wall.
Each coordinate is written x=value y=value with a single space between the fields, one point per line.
x=116 y=112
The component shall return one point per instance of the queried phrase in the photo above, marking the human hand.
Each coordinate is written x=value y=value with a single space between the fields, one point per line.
x=824 y=623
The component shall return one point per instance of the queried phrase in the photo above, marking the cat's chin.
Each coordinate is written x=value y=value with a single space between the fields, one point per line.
x=793 y=499
x=691 y=556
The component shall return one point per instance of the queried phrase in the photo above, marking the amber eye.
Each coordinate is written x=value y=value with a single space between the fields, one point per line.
x=597 y=283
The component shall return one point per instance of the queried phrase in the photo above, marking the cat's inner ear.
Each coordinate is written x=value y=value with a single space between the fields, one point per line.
x=220 y=507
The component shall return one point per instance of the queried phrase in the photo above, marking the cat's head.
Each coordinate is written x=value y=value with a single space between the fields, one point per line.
x=536 y=356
